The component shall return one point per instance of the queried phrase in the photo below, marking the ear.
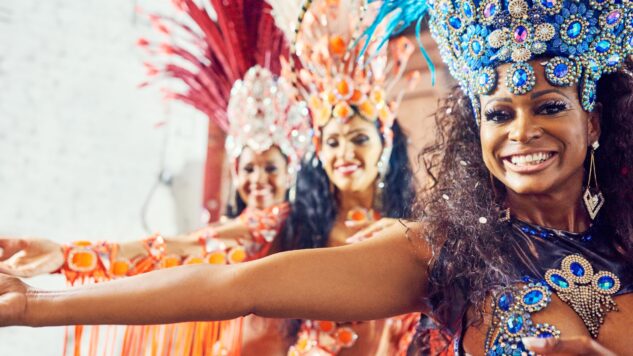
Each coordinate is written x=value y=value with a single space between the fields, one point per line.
x=593 y=125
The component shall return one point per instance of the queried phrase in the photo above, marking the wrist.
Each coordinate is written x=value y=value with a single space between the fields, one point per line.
x=38 y=305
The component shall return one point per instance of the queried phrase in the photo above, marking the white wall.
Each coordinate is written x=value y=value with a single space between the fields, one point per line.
x=79 y=146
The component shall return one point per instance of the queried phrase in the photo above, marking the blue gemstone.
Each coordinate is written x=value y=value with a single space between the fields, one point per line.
x=544 y=234
x=490 y=10
x=532 y=231
x=603 y=46
x=613 y=60
x=577 y=269
x=476 y=46
x=561 y=70
x=574 y=29
x=505 y=301
x=559 y=280
x=455 y=22
x=514 y=323
x=483 y=79
x=548 y=4
x=468 y=11
x=631 y=41
x=533 y=297
x=606 y=282
x=613 y=17
x=545 y=335
x=525 y=229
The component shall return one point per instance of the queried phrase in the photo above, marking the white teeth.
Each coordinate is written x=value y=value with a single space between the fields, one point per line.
x=530 y=159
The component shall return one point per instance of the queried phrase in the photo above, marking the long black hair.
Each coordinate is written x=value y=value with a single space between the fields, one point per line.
x=315 y=206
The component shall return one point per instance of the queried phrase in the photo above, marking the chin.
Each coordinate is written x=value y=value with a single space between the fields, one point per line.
x=529 y=187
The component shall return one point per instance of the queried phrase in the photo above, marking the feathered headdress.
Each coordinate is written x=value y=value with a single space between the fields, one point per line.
x=336 y=79
x=230 y=66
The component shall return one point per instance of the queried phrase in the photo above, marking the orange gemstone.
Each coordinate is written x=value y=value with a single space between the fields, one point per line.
x=346 y=336
x=342 y=110
x=170 y=261
x=337 y=45
x=356 y=97
x=193 y=260
x=83 y=259
x=344 y=89
x=368 y=110
x=120 y=268
x=326 y=326
x=237 y=255
x=217 y=258
x=82 y=243
x=357 y=215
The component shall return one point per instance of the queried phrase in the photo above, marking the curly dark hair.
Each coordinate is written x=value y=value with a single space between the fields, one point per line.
x=315 y=207
x=471 y=257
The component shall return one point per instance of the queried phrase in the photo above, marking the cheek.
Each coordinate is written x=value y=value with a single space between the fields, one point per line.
x=489 y=141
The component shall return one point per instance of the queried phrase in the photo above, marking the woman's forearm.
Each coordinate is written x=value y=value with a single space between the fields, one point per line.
x=199 y=292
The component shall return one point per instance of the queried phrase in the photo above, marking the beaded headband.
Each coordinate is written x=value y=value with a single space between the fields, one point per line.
x=581 y=39
x=263 y=113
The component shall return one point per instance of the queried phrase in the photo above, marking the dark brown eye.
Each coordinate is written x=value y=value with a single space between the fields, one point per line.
x=271 y=169
x=332 y=142
x=498 y=115
x=552 y=108
x=360 y=139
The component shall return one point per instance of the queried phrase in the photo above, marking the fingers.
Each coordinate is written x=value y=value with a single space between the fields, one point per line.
x=580 y=345
x=370 y=231
x=9 y=247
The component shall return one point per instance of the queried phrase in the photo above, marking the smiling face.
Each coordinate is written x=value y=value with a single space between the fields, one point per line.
x=537 y=142
x=350 y=153
x=262 y=178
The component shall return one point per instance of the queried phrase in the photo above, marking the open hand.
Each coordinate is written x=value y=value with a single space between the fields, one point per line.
x=581 y=345
x=371 y=230
x=28 y=257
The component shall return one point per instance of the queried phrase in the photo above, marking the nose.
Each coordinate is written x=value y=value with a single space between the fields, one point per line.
x=258 y=176
x=524 y=128
x=345 y=150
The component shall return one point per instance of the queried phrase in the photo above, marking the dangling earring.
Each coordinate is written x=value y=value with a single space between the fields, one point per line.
x=379 y=193
x=505 y=215
x=593 y=196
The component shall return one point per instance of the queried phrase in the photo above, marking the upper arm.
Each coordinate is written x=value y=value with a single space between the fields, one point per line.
x=381 y=277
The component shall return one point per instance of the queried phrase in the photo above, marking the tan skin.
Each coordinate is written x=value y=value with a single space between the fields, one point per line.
x=380 y=277
x=262 y=180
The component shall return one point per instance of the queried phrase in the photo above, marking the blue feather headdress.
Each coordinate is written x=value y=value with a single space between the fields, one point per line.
x=582 y=39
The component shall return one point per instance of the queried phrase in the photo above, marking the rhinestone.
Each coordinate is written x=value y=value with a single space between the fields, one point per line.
x=574 y=29
x=545 y=335
x=576 y=268
x=468 y=11
x=520 y=34
x=613 y=60
x=559 y=280
x=520 y=77
x=603 y=46
x=483 y=79
x=476 y=47
x=561 y=70
x=505 y=301
x=606 y=282
x=514 y=323
x=490 y=10
x=455 y=22
x=533 y=297
x=548 y=4
x=613 y=17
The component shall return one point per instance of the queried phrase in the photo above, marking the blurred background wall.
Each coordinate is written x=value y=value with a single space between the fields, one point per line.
x=82 y=147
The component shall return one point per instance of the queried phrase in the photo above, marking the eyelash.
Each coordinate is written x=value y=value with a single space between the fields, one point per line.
x=557 y=106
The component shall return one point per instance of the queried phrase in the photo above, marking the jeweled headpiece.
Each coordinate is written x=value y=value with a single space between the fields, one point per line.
x=333 y=79
x=263 y=112
x=229 y=65
x=582 y=39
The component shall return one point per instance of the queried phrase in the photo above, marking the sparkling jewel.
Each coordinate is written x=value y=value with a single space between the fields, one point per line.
x=548 y=4
x=515 y=323
x=577 y=269
x=613 y=60
x=455 y=22
x=520 y=77
x=520 y=34
x=559 y=280
x=476 y=47
x=468 y=10
x=505 y=301
x=574 y=29
x=603 y=46
x=490 y=10
x=561 y=70
x=614 y=17
x=533 y=297
x=483 y=79
x=606 y=282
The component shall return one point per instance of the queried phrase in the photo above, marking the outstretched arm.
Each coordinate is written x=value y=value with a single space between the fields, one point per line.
x=378 y=278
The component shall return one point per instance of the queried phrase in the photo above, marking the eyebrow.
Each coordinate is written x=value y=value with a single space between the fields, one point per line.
x=505 y=100
x=539 y=94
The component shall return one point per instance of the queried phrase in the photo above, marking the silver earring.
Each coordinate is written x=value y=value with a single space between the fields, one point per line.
x=594 y=200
